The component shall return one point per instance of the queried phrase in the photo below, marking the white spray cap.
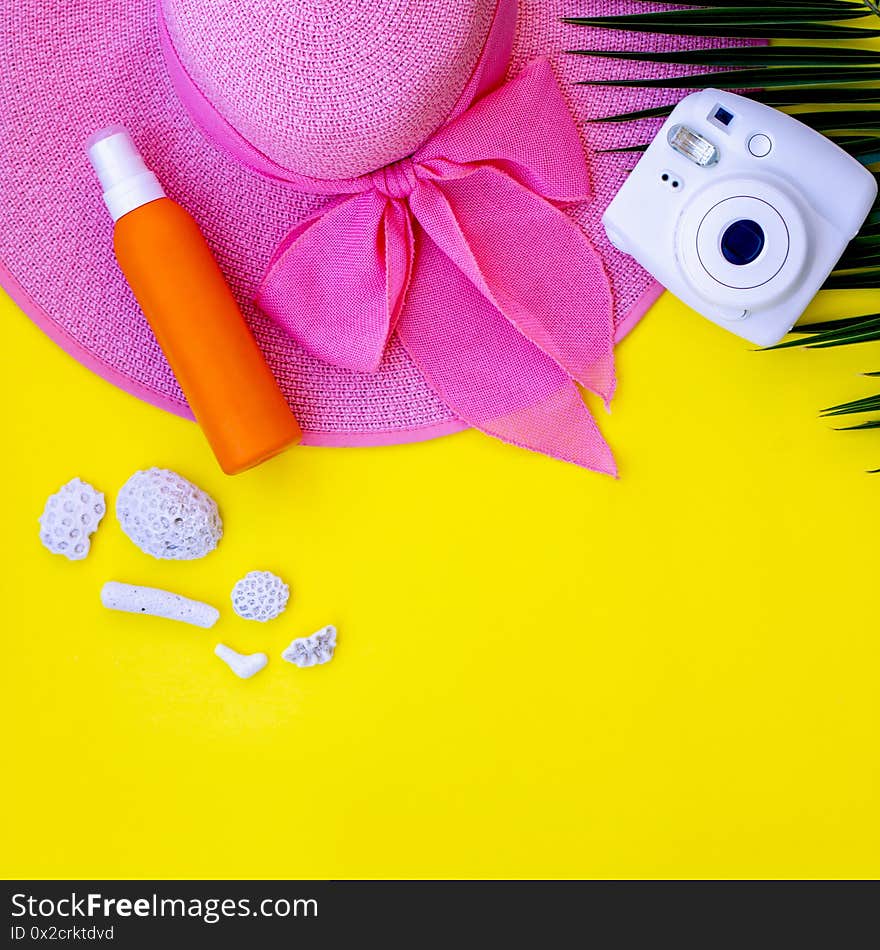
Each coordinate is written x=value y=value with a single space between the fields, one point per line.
x=126 y=180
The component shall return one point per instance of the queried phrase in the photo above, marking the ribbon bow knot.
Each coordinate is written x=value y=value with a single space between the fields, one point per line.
x=396 y=181
x=463 y=249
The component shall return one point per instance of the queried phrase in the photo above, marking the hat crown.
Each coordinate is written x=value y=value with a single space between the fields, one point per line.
x=328 y=89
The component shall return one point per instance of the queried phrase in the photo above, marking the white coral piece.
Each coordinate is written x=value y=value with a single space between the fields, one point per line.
x=158 y=603
x=244 y=665
x=70 y=517
x=260 y=595
x=167 y=516
x=313 y=650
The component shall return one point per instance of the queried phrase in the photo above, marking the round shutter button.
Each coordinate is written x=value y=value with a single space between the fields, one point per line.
x=760 y=145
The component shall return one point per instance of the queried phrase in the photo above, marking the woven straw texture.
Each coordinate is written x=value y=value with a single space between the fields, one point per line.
x=69 y=69
x=328 y=64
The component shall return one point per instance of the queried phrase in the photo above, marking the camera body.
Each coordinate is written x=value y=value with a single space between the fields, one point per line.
x=741 y=211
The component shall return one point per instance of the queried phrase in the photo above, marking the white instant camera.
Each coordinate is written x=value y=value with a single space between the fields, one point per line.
x=741 y=211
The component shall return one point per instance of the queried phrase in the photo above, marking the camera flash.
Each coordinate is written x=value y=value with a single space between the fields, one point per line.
x=692 y=145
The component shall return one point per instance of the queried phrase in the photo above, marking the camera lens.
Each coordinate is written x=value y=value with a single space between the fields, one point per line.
x=742 y=242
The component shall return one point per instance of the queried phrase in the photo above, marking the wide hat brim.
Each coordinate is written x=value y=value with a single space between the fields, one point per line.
x=67 y=70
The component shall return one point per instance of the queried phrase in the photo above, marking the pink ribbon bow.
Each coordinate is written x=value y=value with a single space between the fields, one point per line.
x=463 y=250
x=485 y=192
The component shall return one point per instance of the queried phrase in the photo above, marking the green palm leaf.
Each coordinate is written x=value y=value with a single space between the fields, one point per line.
x=622 y=148
x=852 y=119
x=869 y=279
x=842 y=323
x=808 y=22
x=856 y=257
x=745 y=56
x=868 y=404
x=862 y=329
x=657 y=112
x=815 y=96
x=770 y=97
x=806 y=31
x=873 y=424
x=867 y=151
x=741 y=14
x=768 y=78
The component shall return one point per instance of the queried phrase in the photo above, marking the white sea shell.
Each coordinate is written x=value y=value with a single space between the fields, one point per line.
x=260 y=595
x=313 y=650
x=70 y=517
x=167 y=516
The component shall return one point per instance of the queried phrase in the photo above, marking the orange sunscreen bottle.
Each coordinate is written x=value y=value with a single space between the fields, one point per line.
x=191 y=310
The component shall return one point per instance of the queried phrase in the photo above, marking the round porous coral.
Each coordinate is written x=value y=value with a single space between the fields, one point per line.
x=260 y=595
x=167 y=516
x=70 y=517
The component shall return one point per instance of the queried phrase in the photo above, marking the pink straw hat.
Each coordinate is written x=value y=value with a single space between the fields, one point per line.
x=382 y=182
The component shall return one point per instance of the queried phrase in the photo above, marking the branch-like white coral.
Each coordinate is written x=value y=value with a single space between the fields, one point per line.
x=158 y=603
x=313 y=650
x=70 y=518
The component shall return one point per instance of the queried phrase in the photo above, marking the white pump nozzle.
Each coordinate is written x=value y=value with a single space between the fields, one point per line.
x=126 y=180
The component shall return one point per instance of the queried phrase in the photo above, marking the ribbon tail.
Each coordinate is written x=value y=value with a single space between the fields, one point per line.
x=488 y=373
x=337 y=281
x=530 y=261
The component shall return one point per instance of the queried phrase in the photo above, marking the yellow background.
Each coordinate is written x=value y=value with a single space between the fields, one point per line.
x=540 y=671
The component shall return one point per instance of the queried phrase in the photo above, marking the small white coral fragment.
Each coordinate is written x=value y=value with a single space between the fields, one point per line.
x=244 y=665
x=157 y=603
x=70 y=517
x=260 y=595
x=313 y=650
x=167 y=516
